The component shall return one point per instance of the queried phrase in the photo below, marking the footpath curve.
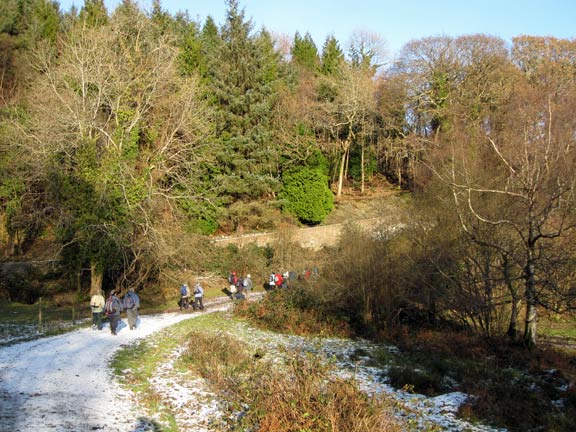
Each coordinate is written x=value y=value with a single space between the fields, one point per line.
x=63 y=383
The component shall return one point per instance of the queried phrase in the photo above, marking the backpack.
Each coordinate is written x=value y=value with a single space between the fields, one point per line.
x=111 y=307
x=231 y=279
x=129 y=302
x=183 y=291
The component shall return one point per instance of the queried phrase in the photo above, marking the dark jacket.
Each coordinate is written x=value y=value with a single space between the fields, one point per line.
x=131 y=295
x=113 y=306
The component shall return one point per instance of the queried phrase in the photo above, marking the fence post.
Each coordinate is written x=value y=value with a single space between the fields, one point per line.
x=40 y=315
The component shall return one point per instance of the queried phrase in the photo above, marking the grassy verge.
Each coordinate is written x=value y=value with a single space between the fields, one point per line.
x=283 y=391
x=18 y=313
x=20 y=322
x=137 y=364
x=553 y=325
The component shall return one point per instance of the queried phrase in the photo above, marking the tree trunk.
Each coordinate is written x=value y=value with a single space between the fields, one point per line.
x=341 y=172
x=362 y=174
x=431 y=306
x=488 y=292
x=95 y=278
x=513 y=324
x=10 y=246
x=531 y=300
x=347 y=165
x=367 y=315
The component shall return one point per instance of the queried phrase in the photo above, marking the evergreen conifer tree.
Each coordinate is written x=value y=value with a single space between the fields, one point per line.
x=243 y=76
x=94 y=13
x=332 y=58
x=304 y=52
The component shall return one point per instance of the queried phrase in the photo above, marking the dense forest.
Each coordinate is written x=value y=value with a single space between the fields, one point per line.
x=127 y=137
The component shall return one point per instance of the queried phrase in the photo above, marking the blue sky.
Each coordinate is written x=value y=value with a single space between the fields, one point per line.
x=396 y=21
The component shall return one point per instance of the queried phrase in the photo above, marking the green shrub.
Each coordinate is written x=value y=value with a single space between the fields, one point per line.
x=306 y=195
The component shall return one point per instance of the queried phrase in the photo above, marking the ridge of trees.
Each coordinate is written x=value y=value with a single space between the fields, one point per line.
x=122 y=131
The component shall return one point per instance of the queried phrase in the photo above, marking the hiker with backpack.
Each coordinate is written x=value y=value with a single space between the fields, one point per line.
x=97 y=303
x=112 y=310
x=239 y=288
x=184 y=296
x=233 y=281
x=198 y=297
x=278 y=280
x=248 y=285
x=131 y=305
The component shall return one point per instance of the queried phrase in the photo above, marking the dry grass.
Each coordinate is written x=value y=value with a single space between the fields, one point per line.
x=283 y=312
x=300 y=394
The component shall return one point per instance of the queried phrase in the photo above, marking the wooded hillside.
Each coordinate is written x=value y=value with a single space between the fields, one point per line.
x=127 y=137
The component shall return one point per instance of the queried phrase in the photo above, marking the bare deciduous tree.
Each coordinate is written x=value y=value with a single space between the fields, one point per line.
x=112 y=117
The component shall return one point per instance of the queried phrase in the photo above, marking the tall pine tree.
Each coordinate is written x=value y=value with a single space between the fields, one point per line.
x=94 y=13
x=304 y=52
x=332 y=58
x=244 y=75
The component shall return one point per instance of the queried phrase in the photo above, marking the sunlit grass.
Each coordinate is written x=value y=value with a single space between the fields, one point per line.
x=21 y=322
x=296 y=392
x=136 y=364
x=558 y=326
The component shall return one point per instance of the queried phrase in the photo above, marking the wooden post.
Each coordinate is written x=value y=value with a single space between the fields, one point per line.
x=40 y=314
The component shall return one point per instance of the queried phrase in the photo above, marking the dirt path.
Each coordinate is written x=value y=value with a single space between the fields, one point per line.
x=63 y=383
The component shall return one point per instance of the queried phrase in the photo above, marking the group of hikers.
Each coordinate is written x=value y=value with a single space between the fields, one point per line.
x=239 y=286
x=112 y=308
x=279 y=280
x=283 y=280
x=198 y=295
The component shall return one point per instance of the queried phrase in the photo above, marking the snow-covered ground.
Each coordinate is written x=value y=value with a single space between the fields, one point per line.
x=64 y=383
x=426 y=413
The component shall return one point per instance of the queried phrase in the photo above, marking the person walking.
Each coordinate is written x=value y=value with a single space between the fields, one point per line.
x=97 y=303
x=131 y=305
x=184 y=296
x=232 y=280
x=248 y=285
x=112 y=309
x=272 y=281
x=240 y=288
x=198 y=297
x=278 y=280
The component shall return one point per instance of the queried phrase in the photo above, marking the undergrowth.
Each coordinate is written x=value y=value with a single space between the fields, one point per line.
x=288 y=391
x=289 y=311
x=297 y=394
x=512 y=387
